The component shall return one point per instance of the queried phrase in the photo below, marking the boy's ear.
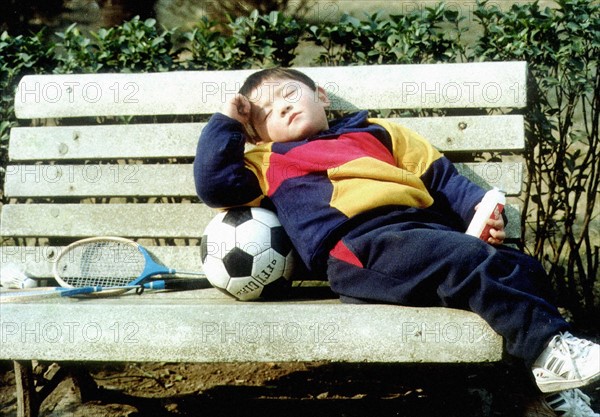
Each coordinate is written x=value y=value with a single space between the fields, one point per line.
x=323 y=98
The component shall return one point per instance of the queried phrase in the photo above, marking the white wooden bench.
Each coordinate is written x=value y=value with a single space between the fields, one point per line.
x=111 y=154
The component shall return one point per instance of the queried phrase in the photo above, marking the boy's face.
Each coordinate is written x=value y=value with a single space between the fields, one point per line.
x=287 y=110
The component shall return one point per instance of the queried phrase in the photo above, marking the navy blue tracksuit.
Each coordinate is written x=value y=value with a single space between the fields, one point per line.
x=385 y=260
x=382 y=213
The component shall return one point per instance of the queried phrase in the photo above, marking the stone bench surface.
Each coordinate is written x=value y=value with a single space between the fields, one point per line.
x=206 y=326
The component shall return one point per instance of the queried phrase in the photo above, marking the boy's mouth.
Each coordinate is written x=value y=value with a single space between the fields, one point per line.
x=292 y=117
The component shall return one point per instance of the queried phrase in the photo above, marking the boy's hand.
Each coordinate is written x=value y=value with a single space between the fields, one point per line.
x=238 y=108
x=497 y=233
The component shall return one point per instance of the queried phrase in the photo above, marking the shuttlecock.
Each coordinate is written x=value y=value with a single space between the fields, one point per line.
x=11 y=276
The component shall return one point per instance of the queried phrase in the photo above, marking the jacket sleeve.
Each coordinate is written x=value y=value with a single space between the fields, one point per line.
x=450 y=190
x=220 y=174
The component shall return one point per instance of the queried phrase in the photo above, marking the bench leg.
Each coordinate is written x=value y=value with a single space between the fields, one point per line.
x=33 y=387
x=27 y=400
x=88 y=389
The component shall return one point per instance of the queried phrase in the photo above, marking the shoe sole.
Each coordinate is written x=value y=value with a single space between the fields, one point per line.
x=555 y=386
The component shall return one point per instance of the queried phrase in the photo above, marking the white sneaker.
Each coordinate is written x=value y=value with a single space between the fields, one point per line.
x=567 y=363
x=571 y=403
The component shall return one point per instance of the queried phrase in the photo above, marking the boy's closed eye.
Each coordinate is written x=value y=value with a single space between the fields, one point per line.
x=293 y=90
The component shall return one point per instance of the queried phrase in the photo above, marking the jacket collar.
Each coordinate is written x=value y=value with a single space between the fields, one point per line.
x=346 y=124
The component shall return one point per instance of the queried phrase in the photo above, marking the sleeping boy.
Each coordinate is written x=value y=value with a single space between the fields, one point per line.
x=382 y=214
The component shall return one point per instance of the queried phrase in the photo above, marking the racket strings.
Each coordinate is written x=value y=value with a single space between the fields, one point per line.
x=104 y=264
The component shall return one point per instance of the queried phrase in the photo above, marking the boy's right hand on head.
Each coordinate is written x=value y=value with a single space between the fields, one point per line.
x=238 y=108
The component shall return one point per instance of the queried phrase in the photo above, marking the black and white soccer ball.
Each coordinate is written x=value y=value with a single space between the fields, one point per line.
x=247 y=254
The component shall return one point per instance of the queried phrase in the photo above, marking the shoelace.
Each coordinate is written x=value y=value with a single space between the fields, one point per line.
x=576 y=347
x=572 y=347
x=571 y=403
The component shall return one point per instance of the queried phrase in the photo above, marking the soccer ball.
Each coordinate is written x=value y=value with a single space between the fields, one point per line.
x=247 y=254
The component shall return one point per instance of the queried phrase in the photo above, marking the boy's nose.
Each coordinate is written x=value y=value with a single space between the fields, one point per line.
x=285 y=109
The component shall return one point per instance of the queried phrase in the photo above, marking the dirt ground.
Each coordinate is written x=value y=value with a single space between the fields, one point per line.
x=289 y=389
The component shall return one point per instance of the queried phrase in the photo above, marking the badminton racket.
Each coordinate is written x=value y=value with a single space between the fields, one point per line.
x=108 y=263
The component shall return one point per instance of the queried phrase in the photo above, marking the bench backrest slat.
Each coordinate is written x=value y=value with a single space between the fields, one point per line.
x=37 y=261
x=176 y=180
x=472 y=85
x=128 y=220
x=104 y=142
x=186 y=221
x=178 y=140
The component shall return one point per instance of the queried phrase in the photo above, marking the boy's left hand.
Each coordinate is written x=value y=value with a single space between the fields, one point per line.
x=497 y=233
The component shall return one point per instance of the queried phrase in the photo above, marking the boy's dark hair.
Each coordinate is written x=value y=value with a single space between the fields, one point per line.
x=277 y=73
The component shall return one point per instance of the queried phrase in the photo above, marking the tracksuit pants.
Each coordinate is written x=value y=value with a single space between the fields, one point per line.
x=403 y=260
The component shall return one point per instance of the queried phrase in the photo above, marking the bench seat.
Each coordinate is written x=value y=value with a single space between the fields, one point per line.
x=203 y=325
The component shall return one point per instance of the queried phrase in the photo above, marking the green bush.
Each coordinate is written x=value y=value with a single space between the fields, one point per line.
x=430 y=35
x=250 y=42
x=562 y=47
x=77 y=53
x=208 y=49
x=19 y=55
x=135 y=46
x=266 y=40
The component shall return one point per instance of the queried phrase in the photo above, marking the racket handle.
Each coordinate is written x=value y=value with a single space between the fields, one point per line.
x=178 y=284
x=195 y=274
x=155 y=285
x=70 y=292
